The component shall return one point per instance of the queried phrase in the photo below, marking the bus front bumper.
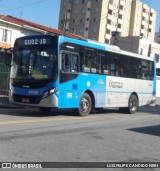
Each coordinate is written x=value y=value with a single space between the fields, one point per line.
x=50 y=101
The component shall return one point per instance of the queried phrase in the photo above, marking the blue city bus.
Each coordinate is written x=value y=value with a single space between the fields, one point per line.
x=60 y=72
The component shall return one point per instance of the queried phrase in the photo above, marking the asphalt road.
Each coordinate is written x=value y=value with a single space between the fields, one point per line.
x=28 y=135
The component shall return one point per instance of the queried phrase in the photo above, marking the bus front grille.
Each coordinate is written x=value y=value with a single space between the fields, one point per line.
x=26 y=99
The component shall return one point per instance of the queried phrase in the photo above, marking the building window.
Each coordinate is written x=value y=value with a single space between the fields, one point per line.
x=110 y=12
x=65 y=2
x=107 y=41
x=94 y=30
x=83 y=11
x=76 y=11
x=141 y=51
x=108 y=21
x=81 y=30
x=77 y=2
x=121 y=7
x=61 y=22
x=119 y=25
x=82 y=20
x=73 y=30
x=143 y=18
x=4 y=36
x=95 y=20
x=108 y=31
x=74 y=21
x=97 y=10
x=150 y=30
x=120 y=16
x=111 y=2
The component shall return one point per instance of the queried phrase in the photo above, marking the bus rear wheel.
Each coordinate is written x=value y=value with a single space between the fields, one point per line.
x=132 y=105
x=85 y=106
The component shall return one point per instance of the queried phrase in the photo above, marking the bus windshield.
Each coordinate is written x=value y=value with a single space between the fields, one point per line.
x=35 y=63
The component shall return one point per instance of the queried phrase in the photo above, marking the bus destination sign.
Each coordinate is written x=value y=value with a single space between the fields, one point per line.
x=35 y=41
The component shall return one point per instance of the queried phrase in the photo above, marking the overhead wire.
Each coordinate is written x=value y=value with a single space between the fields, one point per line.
x=24 y=6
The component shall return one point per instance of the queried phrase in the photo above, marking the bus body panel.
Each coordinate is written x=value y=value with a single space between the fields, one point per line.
x=120 y=89
x=70 y=92
x=158 y=84
x=107 y=90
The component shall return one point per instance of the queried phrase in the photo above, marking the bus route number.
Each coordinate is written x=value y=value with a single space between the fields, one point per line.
x=35 y=42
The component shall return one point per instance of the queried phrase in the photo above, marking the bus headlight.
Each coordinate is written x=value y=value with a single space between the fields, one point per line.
x=49 y=92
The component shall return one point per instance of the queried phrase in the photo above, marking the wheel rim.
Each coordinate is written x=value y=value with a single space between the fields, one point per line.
x=84 y=105
x=133 y=105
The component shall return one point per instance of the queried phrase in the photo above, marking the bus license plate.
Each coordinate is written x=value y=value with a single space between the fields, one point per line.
x=25 y=100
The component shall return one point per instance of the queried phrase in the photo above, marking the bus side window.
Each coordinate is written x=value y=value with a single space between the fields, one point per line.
x=65 y=63
x=151 y=71
x=106 y=62
x=74 y=63
x=70 y=62
x=106 y=69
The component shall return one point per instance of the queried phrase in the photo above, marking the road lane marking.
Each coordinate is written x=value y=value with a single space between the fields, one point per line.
x=10 y=122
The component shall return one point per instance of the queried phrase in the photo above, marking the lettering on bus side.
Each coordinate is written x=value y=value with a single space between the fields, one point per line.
x=116 y=84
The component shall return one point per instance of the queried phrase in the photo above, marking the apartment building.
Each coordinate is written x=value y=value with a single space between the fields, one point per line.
x=97 y=19
x=157 y=37
x=143 y=20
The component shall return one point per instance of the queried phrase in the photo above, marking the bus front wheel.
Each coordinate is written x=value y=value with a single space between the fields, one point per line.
x=85 y=106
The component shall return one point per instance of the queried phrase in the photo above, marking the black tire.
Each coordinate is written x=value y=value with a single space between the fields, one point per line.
x=85 y=105
x=45 y=109
x=132 y=105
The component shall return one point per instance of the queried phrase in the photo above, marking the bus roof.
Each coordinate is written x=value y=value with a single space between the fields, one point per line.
x=136 y=55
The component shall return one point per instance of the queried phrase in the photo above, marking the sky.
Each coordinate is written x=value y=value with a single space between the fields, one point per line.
x=46 y=12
